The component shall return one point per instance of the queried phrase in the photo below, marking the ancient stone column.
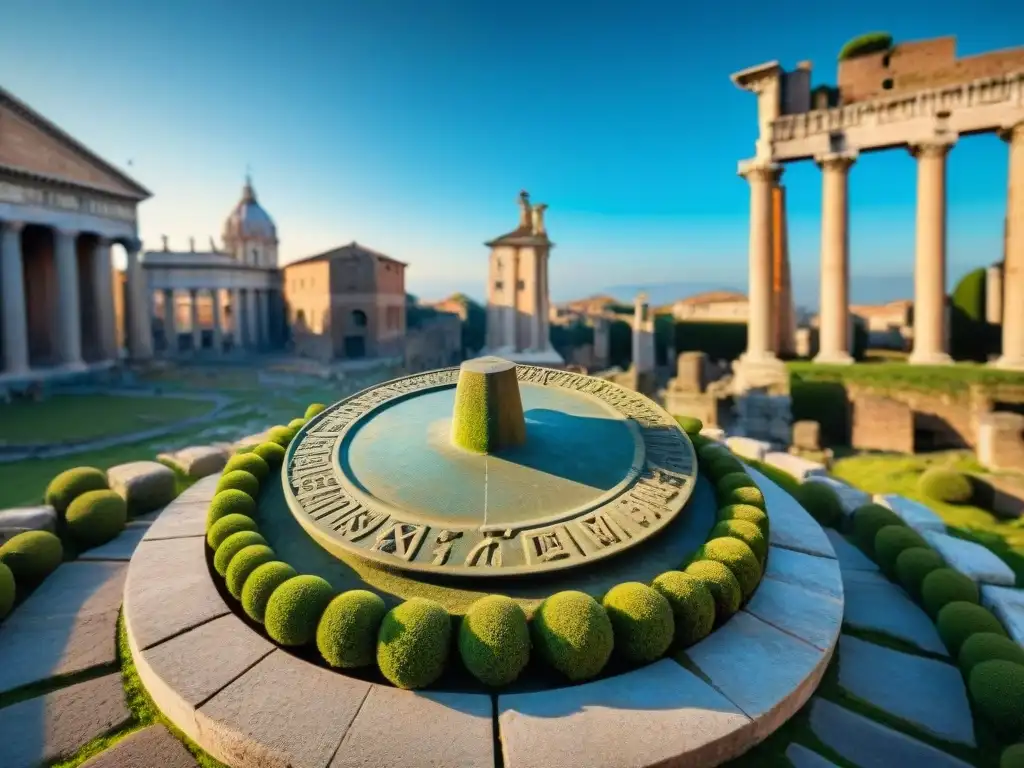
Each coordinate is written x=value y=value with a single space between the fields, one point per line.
x=69 y=317
x=170 y=323
x=103 y=287
x=137 y=316
x=237 y=313
x=218 y=332
x=762 y=177
x=994 y=295
x=833 y=332
x=263 y=307
x=13 y=317
x=197 y=332
x=1013 y=269
x=930 y=255
x=252 y=319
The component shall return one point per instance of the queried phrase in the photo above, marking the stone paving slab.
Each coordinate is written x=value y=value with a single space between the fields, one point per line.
x=152 y=747
x=283 y=712
x=913 y=513
x=849 y=497
x=972 y=560
x=928 y=693
x=811 y=616
x=748 y=447
x=197 y=460
x=55 y=726
x=796 y=466
x=40 y=518
x=791 y=526
x=867 y=743
x=439 y=730
x=660 y=714
x=186 y=515
x=120 y=548
x=762 y=670
x=868 y=579
x=802 y=757
x=68 y=625
x=1008 y=606
x=882 y=607
x=169 y=590
x=850 y=558
x=808 y=571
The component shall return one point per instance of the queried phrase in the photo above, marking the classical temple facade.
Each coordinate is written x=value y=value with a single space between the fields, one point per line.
x=61 y=209
x=227 y=298
x=916 y=96
x=518 y=304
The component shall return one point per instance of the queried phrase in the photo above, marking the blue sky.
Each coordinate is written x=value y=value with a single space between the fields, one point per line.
x=411 y=125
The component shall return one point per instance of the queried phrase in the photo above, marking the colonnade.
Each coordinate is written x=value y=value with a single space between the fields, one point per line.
x=247 y=314
x=929 y=343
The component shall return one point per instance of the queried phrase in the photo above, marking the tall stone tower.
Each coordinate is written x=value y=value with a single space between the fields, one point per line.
x=517 y=291
x=643 y=336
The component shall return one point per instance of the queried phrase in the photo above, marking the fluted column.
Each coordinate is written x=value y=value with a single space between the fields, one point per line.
x=1012 y=357
x=170 y=323
x=197 y=332
x=930 y=255
x=263 y=303
x=218 y=333
x=69 y=316
x=761 y=177
x=237 y=327
x=137 y=316
x=13 y=317
x=103 y=288
x=833 y=329
x=252 y=319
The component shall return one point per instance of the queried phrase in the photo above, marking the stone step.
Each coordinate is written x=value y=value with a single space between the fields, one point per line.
x=802 y=757
x=849 y=497
x=850 y=558
x=799 y=468
x=748 y=447
x=1008 y=606
x=152 y=747
x=972 y=560
x=913 y=513
x=874 y=604
x=120 y=548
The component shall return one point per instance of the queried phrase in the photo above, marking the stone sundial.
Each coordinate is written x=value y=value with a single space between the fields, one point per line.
x=491 y=469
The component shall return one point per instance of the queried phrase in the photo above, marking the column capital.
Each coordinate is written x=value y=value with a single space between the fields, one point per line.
x=132 y=245
x=1012 y=131
x=12 y=226
x=760 y=170
x=839 y=161
x=65 y=232
x=102 y=241
x=937 y=147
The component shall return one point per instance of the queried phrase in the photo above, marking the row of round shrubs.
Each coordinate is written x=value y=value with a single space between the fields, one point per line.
x=411 y=643
x=92 y=514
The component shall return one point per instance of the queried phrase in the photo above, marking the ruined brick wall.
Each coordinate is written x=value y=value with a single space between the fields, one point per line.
x=881 y=424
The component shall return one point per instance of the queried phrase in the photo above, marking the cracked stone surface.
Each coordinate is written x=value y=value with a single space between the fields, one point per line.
x=879 y=606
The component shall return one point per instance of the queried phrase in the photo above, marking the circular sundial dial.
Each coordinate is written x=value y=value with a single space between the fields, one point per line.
x=490 y=469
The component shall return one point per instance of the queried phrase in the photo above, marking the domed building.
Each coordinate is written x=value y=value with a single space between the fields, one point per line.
x=249 y=233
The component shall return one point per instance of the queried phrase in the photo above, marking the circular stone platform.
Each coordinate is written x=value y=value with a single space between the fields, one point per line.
x=379 y=474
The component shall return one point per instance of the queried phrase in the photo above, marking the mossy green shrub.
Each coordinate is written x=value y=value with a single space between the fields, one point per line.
x=8 y=590
x=313 y=410
x=746 y=512
x=413 y=643
x=244 y=449
x=494 y=640
x=720 y=466
x=96 y=517
x=252 y=463
x=968 y=326
x=272 y=453
x=912 y=565
x=987 y=646
x=821 y=502
x=72 y=483
x=945 y=485
x=745 y=495
x=347 y=633
x=1012 y=757
x=745 y=531
x=573 y=634
x=868 y=520
x=295 y=607
x=732 y=481
x=693 y=606
x=944 y=586
x=642 y=621
x=231 y=546
x=226 y=526
x=247 y=560
x=240 y=480
x=32 y=555
x=890 y=541
x=862 y=45
x=722 y=585
x=958 y=621
x=230 y=502
x=997 y=689
x=297 y=424
x=711 y=451
x=737 y=557
x=690 y=425
x=260 y=585
x=281 y=435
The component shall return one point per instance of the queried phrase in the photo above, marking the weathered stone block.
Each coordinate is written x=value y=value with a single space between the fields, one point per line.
x=972 y=560
x=850 y=558
x=198 y=461
x=41 y=518
x=748 y=447
x=791 y=526
x=875 y=604
x=1008 y=606
x=849 y=497
x=882 y=424
x=144 y=485
x=120 y=548
x=807 y=435
x=691 y=372
x=808 y=614
x=152 y=747
x=913 y=513
x=812 y=572
x=1000 y=442
x=186 y=515
x=798 y=467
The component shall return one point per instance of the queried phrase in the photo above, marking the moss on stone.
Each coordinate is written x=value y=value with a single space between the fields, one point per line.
x=226 y=526
x=747 y=532
x=821 y=502
x=944 y=586
x=642 y=621
x=72 y=483
x=294 y=609
x=722 y=585
x=987 y=646
x=1012 y=757
x=997 y=689
x=272 y=453
x=96 y=517
x=945 y=485
x=958 y=621
x=890 y=541
x=313 y=410
x=413 y=643
x=230 y=502
x=732 y=481
x=488 y=413
x=240 y=480
x=252 y=463
x=745 y=495
x=231 y=546
x=690 y=425
x=494 y=640
x=281 y=435
x=296 y=424
x=32 y=556
x=8 y=590
x=693 y=606
x=737 y=557
x=347 y=633
x=912 y=565
x=260 y=585
x=720 y=466
x=573 y=634
x=244 y=563
x=868 y=520
x=746 y=512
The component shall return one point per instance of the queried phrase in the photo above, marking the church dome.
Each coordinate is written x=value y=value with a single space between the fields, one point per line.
x=248 y=221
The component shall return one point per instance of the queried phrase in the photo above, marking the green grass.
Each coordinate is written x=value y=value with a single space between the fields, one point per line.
x=898 y=375
x=898 y=473
x=84 y=417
